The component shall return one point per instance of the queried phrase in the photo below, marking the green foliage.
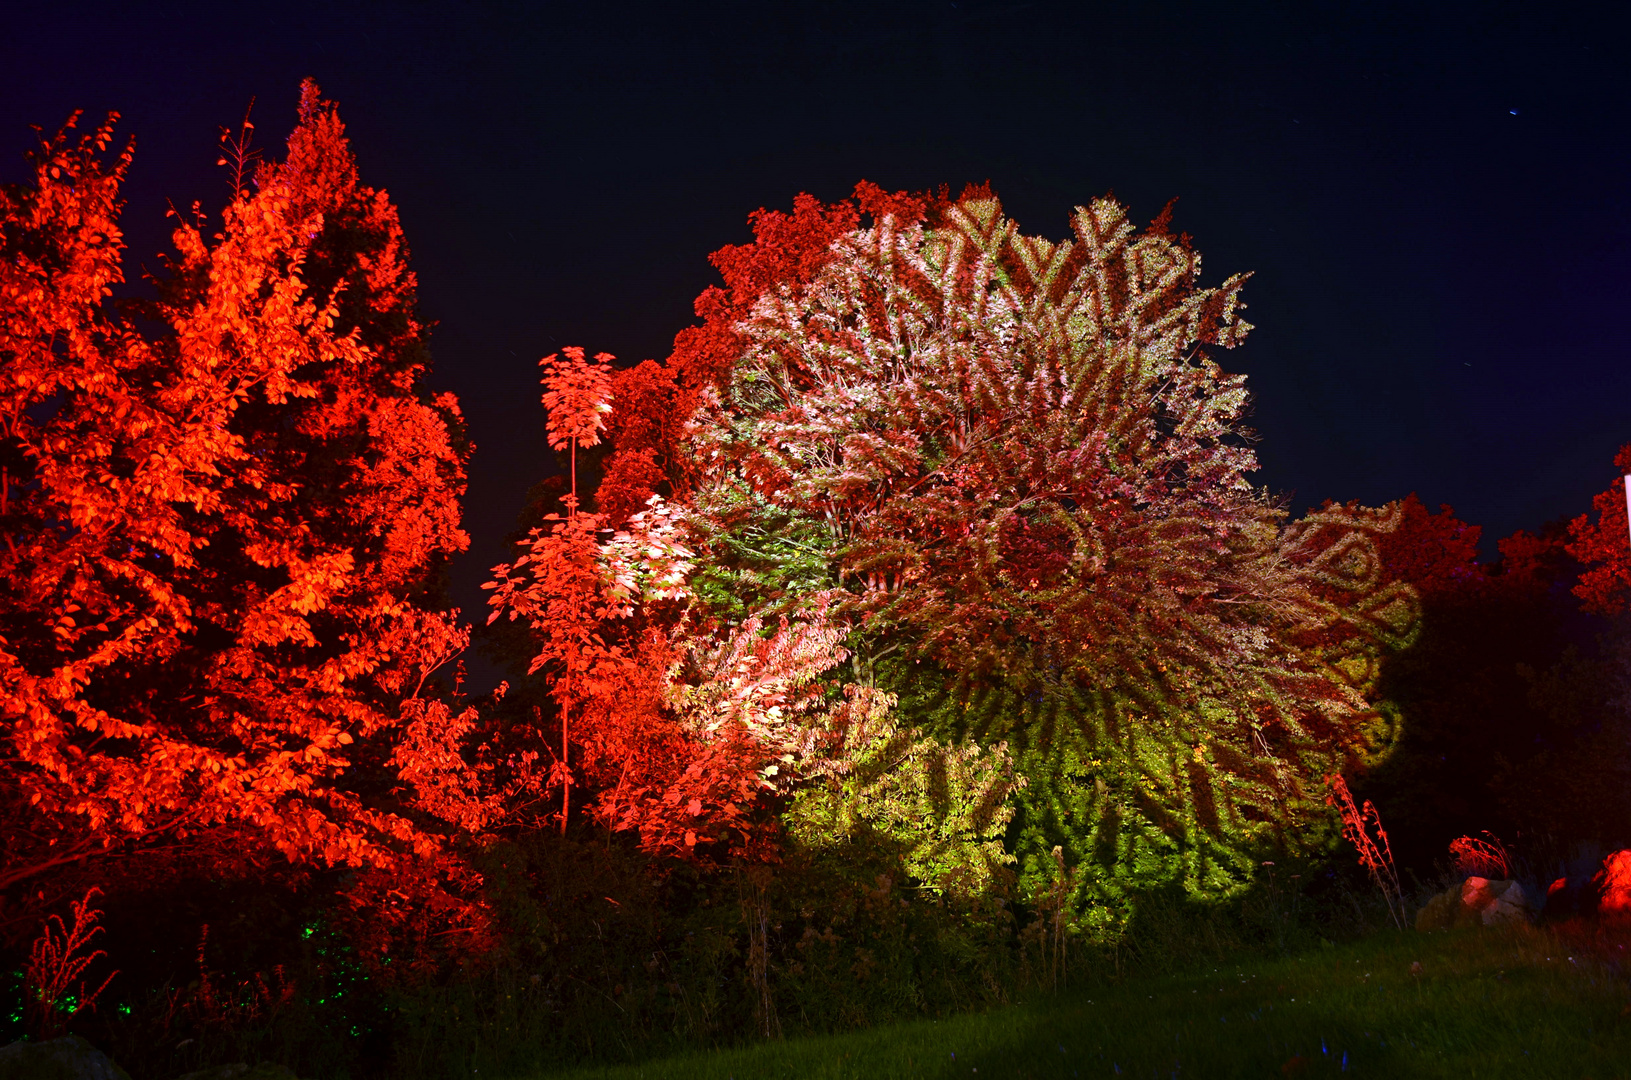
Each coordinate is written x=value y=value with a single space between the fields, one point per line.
x=764 y=557
x=1030 y=485
x=1083 y=799
x=943 y=808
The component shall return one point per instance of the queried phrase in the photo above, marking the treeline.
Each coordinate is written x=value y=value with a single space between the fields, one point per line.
x=910 y=633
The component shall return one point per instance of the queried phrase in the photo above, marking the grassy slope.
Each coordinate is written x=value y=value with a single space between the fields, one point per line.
x=1493 y=1003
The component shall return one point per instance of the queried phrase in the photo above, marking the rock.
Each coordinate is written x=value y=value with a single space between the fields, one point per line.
x=70 y=1058
x=1613 y=887
x=1439 y=912
x=1508 y=902
x=1562 y=898
x=264 y=1071
x=1477 y=902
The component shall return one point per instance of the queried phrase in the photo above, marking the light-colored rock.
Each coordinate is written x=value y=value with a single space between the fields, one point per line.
x=1477 y=902
x=70 y=1058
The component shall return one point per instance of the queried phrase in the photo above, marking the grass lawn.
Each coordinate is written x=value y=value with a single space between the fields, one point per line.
x=1490 y=1003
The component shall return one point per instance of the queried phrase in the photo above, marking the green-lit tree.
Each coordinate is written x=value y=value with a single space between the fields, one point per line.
x=1029 y=485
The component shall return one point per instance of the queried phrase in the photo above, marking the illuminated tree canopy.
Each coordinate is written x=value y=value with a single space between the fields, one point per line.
x=1029 y=484
x=222 y=539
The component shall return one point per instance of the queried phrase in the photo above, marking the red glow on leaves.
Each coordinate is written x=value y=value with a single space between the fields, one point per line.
x=1482 y=857
x=1603 y=546
x=1375 y=854
x=1437 y=553
x=219 y=537
x=578 y=395
x=57 y=959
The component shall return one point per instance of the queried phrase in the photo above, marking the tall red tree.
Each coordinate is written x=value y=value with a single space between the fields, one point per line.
x=222 y=543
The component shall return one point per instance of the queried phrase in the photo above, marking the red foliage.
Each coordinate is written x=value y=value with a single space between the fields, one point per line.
x=55 y=962
x=672 y=735
x=1437 y=553
x=687 y=788
x=1375 y=853
x=1603 y=546
x=1531 y=563
x=643 y=429
x=1613 y=885
x=1485 y=858
x=787 y=252
x=787 y=249
x=696 y=765
x=221 y=543
x=654 y=400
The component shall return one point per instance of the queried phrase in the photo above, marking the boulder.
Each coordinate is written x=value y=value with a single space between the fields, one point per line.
x=70 y=1058
x=1612 y=886
x=1439 y=913
x=1563 y=898
x=1477 y=902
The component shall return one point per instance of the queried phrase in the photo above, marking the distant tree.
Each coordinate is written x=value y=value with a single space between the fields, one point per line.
x=642 y=430
x=220 y=586
x=1012 y=466
x=1437 y=554
x=1504 y=704
x=1603 y=546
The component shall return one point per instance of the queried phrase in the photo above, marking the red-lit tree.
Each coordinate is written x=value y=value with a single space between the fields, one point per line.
x=219 y=579
x=1503 y=720
x=642 y=430
x=646 y=431
x=1603 y=546
x=677 y=730
x=1437 y=554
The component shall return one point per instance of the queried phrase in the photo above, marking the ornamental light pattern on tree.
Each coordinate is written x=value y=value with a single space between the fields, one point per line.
x=1030 y=485
x=681 y=761
x=693 y=732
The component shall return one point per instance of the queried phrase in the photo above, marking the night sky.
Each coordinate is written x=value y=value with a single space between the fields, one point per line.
x=1437 y=207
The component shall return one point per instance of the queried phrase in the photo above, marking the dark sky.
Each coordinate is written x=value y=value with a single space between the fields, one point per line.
x=1437 y=206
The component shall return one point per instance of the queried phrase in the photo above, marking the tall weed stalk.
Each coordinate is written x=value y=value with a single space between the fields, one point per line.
x=55 y=962
x=1375 y=854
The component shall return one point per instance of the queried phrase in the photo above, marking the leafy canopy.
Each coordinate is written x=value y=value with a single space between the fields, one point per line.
x=219 y=583
x=1029 y=486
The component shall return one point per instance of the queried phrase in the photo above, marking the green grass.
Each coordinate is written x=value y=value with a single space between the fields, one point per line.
x=1492 y=1003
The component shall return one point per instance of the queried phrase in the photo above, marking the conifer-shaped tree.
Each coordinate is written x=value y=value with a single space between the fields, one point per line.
x=1030 y=485
x=221 y=599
